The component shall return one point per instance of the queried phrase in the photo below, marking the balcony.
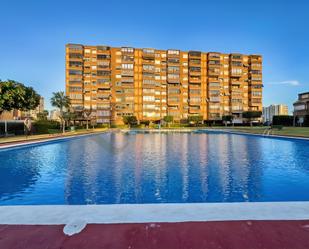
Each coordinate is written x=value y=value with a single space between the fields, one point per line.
x=194 y=72
x=104 y=86
x=236 y=57
x=236 y=83
x=195 y=80
x=127 y=50
x=75 y=47
x=173 y=103
x=213 y=56
x=236 y=72
x=127 y=73
x=173 y=61
x=173 y=53
x=193 y=110
x=103 y=57
x=103 y=49
x=214 y=63
x=194 y=102
x=127 y=58
x=213 y=72
x=194 y=54
x=194 y=61
x=215 y=99
x=75 y=56
x=255 y=59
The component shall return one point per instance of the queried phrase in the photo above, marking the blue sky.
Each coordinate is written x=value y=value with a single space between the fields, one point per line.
x=34 y=34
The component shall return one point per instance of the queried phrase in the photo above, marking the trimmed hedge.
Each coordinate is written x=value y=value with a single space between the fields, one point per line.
x=45 y=126
x=285 y=120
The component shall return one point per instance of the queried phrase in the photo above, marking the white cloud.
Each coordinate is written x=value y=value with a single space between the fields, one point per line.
x=287 y=82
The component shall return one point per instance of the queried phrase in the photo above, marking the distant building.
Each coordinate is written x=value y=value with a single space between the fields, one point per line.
x=54 y=115
x=34 y=113
x=274 y=110
x=18 y=115
x=10 y=115
x=301 y=107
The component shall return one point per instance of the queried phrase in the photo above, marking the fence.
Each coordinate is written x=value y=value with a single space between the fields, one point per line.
x=11 y=127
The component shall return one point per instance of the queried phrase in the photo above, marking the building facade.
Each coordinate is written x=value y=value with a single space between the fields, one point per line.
x=34 y=113
x=149 y=83
x=301 y=108
x=17 y=114
x=274 y=110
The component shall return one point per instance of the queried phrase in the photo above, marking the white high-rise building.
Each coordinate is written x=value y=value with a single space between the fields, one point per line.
x=274 y=110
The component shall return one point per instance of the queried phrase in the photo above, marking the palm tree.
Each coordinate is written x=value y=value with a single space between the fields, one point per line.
x=61 y=101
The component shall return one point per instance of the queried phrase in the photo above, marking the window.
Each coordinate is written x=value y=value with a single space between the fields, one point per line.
x=173 y=52
x=299 y=107
x=127 y=50
x=214 y=84
x=236 y=71
x=148 y=67
x=127 y=66
x=149 y=91
x=148 y=51
x=256 y=71
x=148 y=98
x=76 y=96
x=75 y=72
x=254 y=93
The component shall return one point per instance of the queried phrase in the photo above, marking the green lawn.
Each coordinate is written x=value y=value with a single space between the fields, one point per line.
x=286 y=131
x=46 y=136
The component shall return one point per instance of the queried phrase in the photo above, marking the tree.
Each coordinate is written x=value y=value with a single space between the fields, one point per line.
x=87 y=115
x=168 y=119
x=61 y=101
x=15 y=95
x=195 y=119
x=130 y=120
x=251 y=115
x=227 y=118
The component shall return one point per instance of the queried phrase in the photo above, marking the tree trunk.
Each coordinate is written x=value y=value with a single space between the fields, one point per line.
x=63 y=126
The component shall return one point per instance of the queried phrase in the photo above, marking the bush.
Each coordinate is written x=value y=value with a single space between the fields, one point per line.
x=285 y=120
x=45 y=126
x=306 y=121
x=129 y=120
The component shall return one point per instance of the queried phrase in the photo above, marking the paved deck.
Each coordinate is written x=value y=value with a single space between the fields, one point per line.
x=193 y=235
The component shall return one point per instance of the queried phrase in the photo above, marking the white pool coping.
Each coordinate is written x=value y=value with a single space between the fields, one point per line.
x=44 y=140
x=150 y=213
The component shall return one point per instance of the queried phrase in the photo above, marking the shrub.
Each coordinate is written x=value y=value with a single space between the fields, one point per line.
x=44 y=126
x=285 y=120
x=130 y=120
x=195 y=119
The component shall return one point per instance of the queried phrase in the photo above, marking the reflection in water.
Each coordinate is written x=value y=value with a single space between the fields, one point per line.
x=153 y=168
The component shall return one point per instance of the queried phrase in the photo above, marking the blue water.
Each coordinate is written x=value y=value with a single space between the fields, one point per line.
x=156 y=168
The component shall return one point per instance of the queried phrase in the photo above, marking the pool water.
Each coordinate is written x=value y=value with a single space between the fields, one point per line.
x=133 y=167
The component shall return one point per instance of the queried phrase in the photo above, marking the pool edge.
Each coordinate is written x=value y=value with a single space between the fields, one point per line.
x=145 y=213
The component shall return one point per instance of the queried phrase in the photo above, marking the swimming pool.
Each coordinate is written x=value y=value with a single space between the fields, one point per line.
x=117 y=167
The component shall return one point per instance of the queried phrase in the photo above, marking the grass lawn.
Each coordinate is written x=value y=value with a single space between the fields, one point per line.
x=286 y=131
x=44 y=136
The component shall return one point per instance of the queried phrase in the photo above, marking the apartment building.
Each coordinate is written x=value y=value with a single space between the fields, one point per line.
x=150 y=83
x=274 y=110
x=301 y=108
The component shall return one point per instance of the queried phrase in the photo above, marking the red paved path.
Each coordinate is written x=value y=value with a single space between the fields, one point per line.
x=193 y=235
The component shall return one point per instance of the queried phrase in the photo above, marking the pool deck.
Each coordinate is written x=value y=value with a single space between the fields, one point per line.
x=193 y=235
x=201 y=225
